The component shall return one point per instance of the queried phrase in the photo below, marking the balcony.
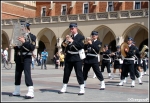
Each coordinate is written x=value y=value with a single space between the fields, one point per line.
x=82 y=17
x=31 y=3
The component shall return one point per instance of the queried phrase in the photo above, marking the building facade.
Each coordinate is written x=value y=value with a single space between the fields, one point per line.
x=115 y=22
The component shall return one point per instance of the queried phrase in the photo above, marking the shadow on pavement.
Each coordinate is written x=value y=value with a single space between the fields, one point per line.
x=56 y=91
x=49 y=90
x=8 y=93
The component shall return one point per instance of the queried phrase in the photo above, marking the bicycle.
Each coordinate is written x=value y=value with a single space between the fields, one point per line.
x=7 y=64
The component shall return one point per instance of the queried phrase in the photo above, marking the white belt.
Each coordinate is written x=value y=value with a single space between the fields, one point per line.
x=106 y=59
x=25 y=53
x=71 y=52
x=92 y=54
x=129 y=58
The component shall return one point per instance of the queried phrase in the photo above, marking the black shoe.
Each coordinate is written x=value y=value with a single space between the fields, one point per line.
x=132 y=86
x=60 y=92
x=14 y=95
x=119 y=85
x=28 y=97
x=102 y=89
x=80 y=93
x=140 y=83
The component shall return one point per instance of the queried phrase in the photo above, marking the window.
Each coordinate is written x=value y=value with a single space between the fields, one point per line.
x=137 y=5
x=43 y=11
x=64 y=10
x=85 y=8
x=110 y=6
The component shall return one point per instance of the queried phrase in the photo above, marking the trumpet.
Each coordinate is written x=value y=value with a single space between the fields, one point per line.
x=87 y=39
x=66 y=42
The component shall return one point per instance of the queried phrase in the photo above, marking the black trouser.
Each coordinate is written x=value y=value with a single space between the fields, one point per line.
x=128 y=68
x=78 y=70
x=144 y=65
x=96 y=70
x=136 y=70
x=26 y=66
x=61 y=64
x=107 y=64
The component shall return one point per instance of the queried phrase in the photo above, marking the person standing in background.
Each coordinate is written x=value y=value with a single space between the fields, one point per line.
x=5 y=56
x=56 y=60
x=62 y=57
x=44 y=56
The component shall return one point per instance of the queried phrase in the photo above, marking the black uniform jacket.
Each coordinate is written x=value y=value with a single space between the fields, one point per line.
x=117 y=56
x=94 y=49
x=130 y=54
x=27 y=46
x=106 y=55
x=78 y=44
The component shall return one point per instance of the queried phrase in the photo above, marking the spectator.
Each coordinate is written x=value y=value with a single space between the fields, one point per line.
x=61 y=59
x=5 y=56
x=33 y=59
x=56 y=60
x=2 y=54
x=39 y=61
x=44 y=56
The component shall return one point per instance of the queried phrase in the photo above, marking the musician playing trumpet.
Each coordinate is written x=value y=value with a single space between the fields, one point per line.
x=93 y=47
x=72 y=59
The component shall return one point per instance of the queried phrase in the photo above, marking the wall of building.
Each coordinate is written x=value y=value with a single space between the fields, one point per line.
x=78 y=7
x=10 y=11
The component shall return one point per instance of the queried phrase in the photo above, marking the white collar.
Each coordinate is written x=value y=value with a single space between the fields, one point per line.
x=95 y=40
x=75 y=34
x=129 y=45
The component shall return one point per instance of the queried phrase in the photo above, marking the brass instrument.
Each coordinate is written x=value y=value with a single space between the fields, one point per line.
x=87 y=39
x=122 y=47
x=142 y=52
x=65 y=43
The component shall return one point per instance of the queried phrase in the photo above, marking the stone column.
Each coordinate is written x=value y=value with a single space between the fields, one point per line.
x=35 y=51
x=119 y=40
x=12 y=55
x=59 y=41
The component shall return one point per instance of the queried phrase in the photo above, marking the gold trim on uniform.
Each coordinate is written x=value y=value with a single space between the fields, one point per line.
x=99 y=45
x=33 y=43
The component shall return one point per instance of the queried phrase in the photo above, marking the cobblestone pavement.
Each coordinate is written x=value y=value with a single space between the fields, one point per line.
x=48 y=82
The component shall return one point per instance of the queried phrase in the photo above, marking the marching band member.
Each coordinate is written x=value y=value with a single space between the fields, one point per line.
x=117 y=61
x=106 y=60
x=23 y=60
x=91 y=59
x=145 y=63
x=137 y=64
x=128 y=63
x=72 y=59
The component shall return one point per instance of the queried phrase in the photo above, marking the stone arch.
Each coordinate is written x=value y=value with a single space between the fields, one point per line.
x=103 y=30
x=5 y=41
x=138 y=32
x=48 y=38
x=5 y=38
x=131 y=27
x=67 y=31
